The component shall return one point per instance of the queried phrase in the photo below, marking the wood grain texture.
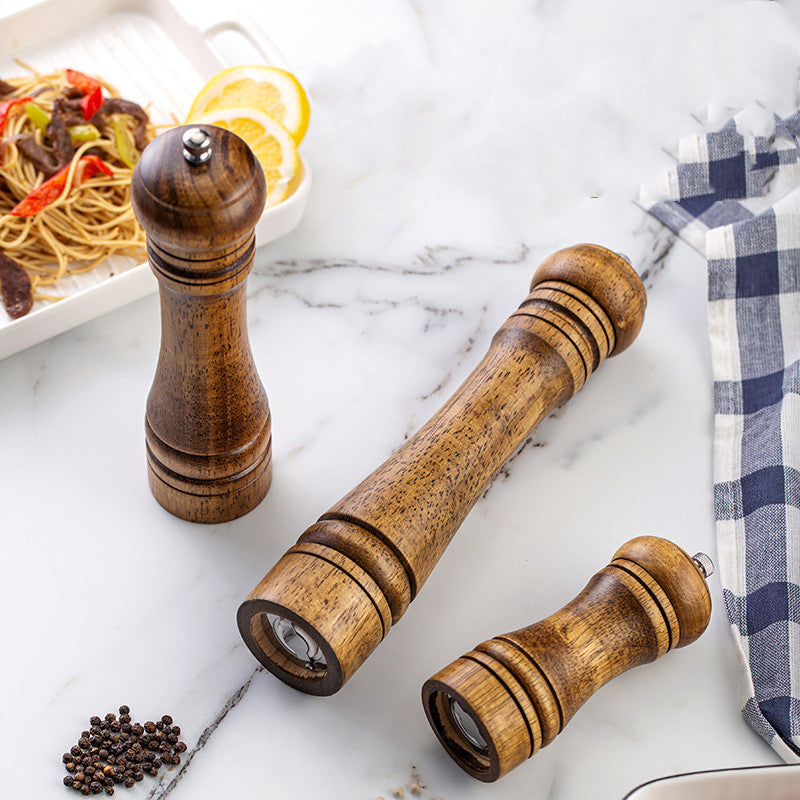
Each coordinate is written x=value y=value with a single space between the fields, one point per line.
x=207 y=424
x=522 y=688
x=396 y=524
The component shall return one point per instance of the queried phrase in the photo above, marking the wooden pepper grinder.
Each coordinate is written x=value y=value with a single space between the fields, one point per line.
x=494 y=707
x=324 y=607
x=198 y=193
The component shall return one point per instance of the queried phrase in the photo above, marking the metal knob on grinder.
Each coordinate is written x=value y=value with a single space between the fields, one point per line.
x=496 y=706
x=198 y=193
x=332 y=598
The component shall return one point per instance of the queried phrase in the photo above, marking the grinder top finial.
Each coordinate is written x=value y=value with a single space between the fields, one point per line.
x=608 y=278
x=191 y=202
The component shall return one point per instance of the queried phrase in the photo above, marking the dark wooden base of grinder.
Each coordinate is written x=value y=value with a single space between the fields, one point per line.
x=212 y=499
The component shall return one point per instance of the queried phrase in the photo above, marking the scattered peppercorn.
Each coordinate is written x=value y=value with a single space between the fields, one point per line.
x=118 y=751
x=415 y=788
x=398 y=792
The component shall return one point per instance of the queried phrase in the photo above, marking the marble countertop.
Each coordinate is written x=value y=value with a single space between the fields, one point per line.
x=454 y=146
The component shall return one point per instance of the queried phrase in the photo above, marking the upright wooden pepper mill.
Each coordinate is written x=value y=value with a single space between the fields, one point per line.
x=333 y=597
x=494 y=707
x=198 y=193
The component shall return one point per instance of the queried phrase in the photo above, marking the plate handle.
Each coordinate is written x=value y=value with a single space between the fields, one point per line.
x=244 y=26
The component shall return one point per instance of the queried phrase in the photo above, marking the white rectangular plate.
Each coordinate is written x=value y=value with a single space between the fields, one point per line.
x=780 y=782
x=155 y=57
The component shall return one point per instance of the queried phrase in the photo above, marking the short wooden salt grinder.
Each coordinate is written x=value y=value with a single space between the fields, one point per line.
x=326 y=605
x=198 y=193
x=494 y=707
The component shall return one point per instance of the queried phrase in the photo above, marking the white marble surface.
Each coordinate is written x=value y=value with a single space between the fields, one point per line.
x=455 y=145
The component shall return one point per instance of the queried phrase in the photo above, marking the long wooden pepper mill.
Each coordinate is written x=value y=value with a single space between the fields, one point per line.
x=198 y=193
x=494 y=707
x=332 y=598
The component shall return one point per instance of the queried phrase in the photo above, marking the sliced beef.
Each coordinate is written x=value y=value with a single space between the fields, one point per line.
x=15 y=286
x=43 y=160
x=58 y=133
x=116 y=105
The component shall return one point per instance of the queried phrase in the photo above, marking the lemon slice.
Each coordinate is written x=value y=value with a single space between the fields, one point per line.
x=269 y=89
x=270 y=142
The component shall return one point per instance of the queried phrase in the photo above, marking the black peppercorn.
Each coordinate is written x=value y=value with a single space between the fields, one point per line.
x=120 y=751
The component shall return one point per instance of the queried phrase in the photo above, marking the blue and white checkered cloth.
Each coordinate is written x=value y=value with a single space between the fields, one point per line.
x=736 y=197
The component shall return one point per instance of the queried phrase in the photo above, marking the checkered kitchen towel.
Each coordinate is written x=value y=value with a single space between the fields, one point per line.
x=736 y=197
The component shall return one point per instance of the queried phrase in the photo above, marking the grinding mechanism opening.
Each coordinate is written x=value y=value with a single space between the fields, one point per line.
x=460 y=731
x=467 y=725
x=289 y=645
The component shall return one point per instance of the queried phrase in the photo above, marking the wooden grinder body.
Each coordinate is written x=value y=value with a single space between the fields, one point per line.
x=207 y=424
x=354 y=572
x=522 y=688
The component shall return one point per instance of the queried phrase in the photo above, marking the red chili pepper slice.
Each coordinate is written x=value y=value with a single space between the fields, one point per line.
x=90 y=104
x=93 y=165
x=83 y=82
x=51 y=189
x=92 y=90
x=7 y=105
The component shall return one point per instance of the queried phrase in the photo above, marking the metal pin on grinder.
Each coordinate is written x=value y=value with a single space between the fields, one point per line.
x=497 y=705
